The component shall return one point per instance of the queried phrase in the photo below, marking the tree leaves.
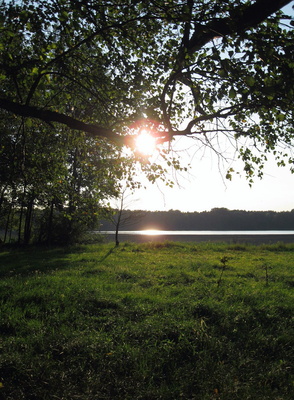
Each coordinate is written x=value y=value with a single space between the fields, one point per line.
x=102 y=66
x=250 y=81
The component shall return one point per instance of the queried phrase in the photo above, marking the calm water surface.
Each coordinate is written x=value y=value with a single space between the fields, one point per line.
x=155 y=232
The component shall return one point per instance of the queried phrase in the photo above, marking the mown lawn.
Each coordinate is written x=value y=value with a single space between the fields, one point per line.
x=147 y=321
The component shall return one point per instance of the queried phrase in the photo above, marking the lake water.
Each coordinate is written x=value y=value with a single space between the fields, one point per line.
x=201 y=236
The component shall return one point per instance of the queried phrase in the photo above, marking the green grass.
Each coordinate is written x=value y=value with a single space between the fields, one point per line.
x=149 y=321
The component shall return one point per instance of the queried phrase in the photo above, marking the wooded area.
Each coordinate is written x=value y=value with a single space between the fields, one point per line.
x=216 y=219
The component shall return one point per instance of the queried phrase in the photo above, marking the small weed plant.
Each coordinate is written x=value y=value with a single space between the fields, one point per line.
x=223 y=261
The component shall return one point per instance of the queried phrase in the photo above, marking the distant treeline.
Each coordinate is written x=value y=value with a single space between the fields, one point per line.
x=216 y=219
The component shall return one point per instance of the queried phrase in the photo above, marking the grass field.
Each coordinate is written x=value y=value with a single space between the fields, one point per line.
x=147 y=321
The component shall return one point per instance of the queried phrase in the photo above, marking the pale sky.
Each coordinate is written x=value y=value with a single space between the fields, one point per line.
x=204 y=187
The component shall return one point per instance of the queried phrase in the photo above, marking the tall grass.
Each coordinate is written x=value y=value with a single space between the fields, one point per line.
x=149 y=321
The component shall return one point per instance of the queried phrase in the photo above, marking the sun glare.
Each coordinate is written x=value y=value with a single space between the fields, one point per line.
x=145 y=143
x=151 y=232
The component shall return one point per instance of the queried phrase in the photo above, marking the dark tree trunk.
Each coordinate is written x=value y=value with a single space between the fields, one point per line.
x=28 y=221
x=48 y=234
x=7 y=223
x=20 y=223
x=116 y=235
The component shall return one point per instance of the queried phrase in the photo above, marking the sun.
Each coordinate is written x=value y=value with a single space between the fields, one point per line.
x=145 y=143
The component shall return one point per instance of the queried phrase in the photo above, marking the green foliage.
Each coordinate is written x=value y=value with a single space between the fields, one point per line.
x=147 y=321
x=69 y=59
x=52 y=186
x=216 y=68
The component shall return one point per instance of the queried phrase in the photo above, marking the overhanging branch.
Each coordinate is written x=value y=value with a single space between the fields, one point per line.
x=92 y=130
x=53 y=116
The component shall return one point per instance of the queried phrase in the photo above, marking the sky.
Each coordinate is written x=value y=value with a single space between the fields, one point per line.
x=204 y=187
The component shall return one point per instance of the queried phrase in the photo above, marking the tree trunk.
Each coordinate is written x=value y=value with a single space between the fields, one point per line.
x=50 y=222
x=28 y=221
x=7 y=223
x=20 y=223
x=116 y=234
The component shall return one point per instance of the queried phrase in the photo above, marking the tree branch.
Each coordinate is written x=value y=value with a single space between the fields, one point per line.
x=240 y=20
x=53 y=116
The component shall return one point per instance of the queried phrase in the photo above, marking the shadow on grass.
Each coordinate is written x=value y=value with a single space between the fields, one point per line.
x=107 y=254
x=22 y=261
